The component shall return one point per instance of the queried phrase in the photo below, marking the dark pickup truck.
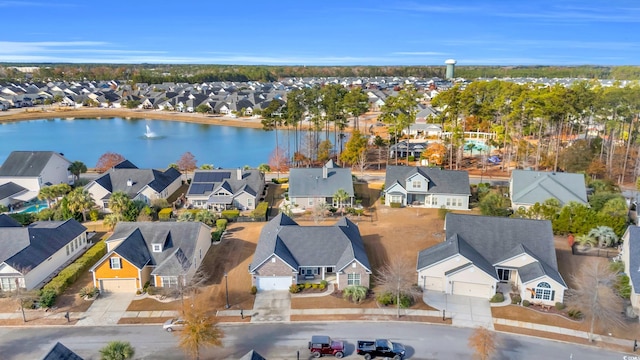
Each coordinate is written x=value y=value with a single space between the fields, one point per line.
x=380 y=347
x=324 y=345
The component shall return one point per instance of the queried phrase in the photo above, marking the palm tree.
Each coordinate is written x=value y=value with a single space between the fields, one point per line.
x=341 y=196
x=117 y=350
x=605 y=236
x=76 y=168
x=47 y=193
x=205 y=217
x=79 y=200
x=119 y=202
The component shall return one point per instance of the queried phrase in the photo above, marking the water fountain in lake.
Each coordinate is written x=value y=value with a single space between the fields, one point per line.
x=150 y=134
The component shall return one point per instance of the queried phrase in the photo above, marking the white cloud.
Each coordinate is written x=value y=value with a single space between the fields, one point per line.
x=13 y=47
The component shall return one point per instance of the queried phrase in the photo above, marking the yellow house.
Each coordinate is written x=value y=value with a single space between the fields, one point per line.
x=161 y=254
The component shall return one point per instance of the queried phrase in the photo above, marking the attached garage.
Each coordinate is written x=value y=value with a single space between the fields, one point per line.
x=433 y=283
x=118 y=285
x=266 y=283
x=471 y=289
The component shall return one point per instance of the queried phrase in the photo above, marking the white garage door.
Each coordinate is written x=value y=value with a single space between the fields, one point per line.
x=471 y=289
x=118 y=285
x=433 y=283
x=273 y=282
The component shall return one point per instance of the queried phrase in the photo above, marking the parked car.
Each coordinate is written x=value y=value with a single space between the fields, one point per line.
x=323 y=345
x=173 y=324
x=380 y=347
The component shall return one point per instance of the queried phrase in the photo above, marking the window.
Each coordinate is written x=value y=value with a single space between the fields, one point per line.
x=543 y=291
x=249 y=202
x=503 y=274
x=114 y=263
x=434 y=200
x=157 y=247
x=353 y=279
x=7 y=283
x=200 y=253
x=448 y=202
x=310 y=203
x=67 y=247
x=396 y=198
x=169 y=281
x=105 y=204
x=416 y=184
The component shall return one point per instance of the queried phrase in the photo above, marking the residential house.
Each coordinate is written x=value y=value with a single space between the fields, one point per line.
x=226 y=188
x=631 y=259
x=309 y=187
x=139 y=184
x=482 y=254
x=288 y=254
x=61 y=352
x=164 y=254
x=529 y=187
x=414 y=147
x=32 y=254
x=252 y=355
x=429 y=187
x=33 y=170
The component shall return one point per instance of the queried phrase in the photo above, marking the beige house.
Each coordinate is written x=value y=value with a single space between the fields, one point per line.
x=482 y=255
x=631 y=258
x=289 y=254
x=31 y=255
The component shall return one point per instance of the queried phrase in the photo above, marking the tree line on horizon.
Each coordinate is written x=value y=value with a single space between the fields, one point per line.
x=159 y=73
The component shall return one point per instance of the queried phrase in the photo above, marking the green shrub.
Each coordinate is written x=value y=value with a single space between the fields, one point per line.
x=442 y=212
x=47 y=297
x=165 y=214
x=412 y=158
x=94 y=214
x=72 y=272
x=321 y=286
x=386 y=298
x=616 y=266
x=324 y=283
x=516 y=299
x=294 y=289
x=146 y=286
x=138 y=292
x=395 y=205
x=230 y=214
x=355 y=293
x=315 y=286
x=622 y=286
x=89 y=291
x=575 y=314
x=216 y=235
x=221 y=223
x=254 y=290
x=497 y=298
x=525 y=303
x=152 y=290
x=405 y=301
x=307 y=285
x=560 y=306
x=260 y=212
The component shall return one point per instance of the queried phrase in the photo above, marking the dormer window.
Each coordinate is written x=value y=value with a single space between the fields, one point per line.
x=157 y=247
x=417 y=184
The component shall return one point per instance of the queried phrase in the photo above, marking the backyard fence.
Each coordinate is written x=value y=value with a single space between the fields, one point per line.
x=594 y=251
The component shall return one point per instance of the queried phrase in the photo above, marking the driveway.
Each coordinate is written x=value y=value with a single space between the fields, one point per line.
x=107 y=309
x=464 y=311
x=272 y=306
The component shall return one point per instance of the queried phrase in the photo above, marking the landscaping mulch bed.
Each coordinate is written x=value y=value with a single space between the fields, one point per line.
x=339 y=317
x=521 y=313
x=149 y=304
x=142 y=320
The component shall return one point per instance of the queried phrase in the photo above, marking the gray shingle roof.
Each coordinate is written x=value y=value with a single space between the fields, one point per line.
x=634 y=257
x=10 y=189
x=530 y=187
x=8 y=221
x=117 y=179
x=454 y=245
x=61 y=352
x=495 y=238
x=440 y=181
x=297 y=245
x=310 y=182
x=25 y=248
x=252 y=355
x=26 y=163
x=205 y=182
x=178 y=238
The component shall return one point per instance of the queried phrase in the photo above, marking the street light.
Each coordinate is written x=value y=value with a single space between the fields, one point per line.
x=226 y=290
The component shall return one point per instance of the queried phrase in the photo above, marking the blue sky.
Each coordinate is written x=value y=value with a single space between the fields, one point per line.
x=328 y=32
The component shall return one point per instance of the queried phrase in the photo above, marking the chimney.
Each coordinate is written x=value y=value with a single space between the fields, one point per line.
x=129 y=183
x=325 y=172
x=239 y=174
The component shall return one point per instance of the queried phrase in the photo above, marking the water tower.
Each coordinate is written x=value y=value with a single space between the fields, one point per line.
x=451 y=65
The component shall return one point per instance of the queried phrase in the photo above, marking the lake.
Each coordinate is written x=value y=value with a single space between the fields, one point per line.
x=87 y=139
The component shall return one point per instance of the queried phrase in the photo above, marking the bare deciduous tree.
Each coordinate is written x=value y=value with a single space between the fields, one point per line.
x=594 y=295
x=483 y=342
x=200 y=328
x=398 y=278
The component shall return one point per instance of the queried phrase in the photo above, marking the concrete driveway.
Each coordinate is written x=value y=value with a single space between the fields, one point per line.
x=464 y=311
x=272 y=306
x=107 y=309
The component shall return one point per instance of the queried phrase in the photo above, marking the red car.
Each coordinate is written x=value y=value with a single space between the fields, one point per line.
x=323 y=345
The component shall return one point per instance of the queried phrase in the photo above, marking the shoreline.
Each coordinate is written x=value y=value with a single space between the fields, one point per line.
x=15 y=115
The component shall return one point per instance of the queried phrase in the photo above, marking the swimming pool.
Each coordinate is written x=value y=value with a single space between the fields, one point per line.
x=35 y=208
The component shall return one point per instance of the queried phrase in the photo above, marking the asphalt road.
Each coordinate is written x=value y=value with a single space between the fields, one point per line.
x=284 y=341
